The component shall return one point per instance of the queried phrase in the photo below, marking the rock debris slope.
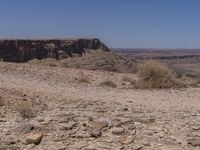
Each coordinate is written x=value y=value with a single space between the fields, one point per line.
x=70 y=113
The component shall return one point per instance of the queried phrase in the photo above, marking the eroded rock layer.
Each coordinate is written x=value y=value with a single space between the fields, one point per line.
x=24 y=50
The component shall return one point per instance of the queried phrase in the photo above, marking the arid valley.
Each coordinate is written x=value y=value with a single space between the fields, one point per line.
x=99 y=75
x=45 y=105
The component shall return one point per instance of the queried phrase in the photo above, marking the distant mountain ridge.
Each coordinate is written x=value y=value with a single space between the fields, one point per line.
x=141 y=54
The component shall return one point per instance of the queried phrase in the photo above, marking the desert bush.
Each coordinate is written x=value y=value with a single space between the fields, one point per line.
x=28 y=127
x=153 y=74
x=25 y=109
x=50 y=62
x=128 y=81
x=34 y=61
x=108 y=83
x=179 y=74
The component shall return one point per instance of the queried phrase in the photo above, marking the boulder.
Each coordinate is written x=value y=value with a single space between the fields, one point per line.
x=117 y=130
x=126 y=140
x=34 y=138
x=194 y=141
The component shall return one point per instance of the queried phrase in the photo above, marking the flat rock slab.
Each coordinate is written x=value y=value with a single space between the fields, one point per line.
x=194 y=141
x=34 y=138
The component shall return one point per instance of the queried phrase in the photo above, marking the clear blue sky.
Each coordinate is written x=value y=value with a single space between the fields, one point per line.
x=118 y=23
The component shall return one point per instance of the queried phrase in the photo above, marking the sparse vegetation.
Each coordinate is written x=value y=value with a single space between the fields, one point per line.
x=178 y=74
x=46 y=62
x=108 y=83
x=128 y=81
x=28 y=127
x=153 y=74
x=25 y=109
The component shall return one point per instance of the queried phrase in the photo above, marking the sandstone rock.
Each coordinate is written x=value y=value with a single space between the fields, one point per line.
x=62 y=148
x=78 y=145
x=136 y=147
x=126 y=140
x=9 y=141
x=116 y=122
x=99 y=125
x=2 y=120
x=91 y=147
x=133 y=132
x=125 y=109
x=117 y=130
x=34 y=138
x=105 y=146
x=41 y=120
x=194 y=141
x=81 y=134
x=94 y=132
x=69 y=125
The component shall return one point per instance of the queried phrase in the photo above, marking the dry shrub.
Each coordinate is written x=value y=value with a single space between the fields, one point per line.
x=46 y=62
x=25 y=109
x=28 y=127
x=34 y=61
x=153 y=74
x=50 y=62
x=185 y=81
x=128 y=81
x=108 y=83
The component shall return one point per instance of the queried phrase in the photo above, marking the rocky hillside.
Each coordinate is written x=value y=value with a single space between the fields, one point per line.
x=55 y=108
x=24 y=50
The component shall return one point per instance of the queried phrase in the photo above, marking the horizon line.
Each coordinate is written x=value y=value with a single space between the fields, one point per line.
x=114 y=48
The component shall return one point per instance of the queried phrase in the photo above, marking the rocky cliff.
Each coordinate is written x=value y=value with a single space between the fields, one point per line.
x=24 y=50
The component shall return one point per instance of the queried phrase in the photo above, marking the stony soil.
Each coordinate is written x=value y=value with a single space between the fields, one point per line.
x=73 y=112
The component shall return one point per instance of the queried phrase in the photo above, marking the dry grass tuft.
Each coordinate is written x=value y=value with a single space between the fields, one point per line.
x=128 y=81
x=28 y=127
x=25 y=109
x=46 y=62
x=108 y=83
x=153 y=74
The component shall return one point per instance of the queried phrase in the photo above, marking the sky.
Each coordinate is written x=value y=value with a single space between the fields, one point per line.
x=118 y=23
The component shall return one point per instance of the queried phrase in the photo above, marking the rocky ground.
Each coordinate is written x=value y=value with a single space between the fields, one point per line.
x=73 y=110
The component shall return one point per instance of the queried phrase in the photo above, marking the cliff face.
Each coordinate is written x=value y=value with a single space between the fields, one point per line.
x=24 y=50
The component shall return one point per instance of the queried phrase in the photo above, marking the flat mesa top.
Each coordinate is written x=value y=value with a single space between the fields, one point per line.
x=44 y=39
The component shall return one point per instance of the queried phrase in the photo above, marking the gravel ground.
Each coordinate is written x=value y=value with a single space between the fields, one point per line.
x=72 y=111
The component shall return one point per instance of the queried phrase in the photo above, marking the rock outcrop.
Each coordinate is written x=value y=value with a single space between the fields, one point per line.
x=25 y=50
x=101 y=60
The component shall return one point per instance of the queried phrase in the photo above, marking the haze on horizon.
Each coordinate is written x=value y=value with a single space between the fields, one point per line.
x=124 y=24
